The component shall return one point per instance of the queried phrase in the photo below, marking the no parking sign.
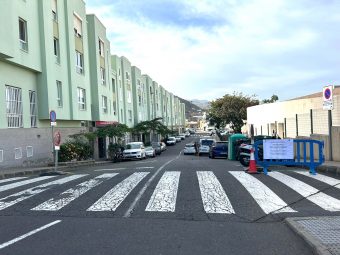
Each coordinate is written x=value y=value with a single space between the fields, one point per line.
x=327 y=95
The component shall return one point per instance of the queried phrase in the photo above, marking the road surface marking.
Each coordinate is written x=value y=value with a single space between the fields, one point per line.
x=28 y=234
x=23 y=195
x=312 y=194
x=22 y=183
x=12 y=179
x=114 y=197
x=265 y=197
x=214 y=198
x=55 y=204
x=323 y=178
x=142 y=191
x=164 y=196
x=109 y=169
x=145 y=162
x=145 y=167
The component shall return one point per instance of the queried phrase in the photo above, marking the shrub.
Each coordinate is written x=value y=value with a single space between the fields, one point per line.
x=76 y=148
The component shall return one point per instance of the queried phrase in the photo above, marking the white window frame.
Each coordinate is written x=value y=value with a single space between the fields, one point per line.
x=102 y=76
x=18 y=153
x=79 y=62
x=78 y=25
x=56 y=49
x=59 y=94
x=33 y=108
x=104 y=104
x=14 y=108
x=120 y=91
x=128 y=96
x=1 y=155
x=81 y=98
x=23 y=34
x=29 y=151
x=130 y=115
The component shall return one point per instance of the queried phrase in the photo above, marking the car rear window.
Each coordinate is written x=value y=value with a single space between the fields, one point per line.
x=207 y=142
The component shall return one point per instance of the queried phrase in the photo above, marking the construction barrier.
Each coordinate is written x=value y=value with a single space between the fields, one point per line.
x=301 y=157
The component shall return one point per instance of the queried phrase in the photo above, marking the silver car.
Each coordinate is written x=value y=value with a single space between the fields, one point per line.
x=189 y=149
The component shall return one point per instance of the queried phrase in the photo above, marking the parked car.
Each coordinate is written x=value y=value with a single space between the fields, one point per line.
x=189 y=149
x=182 y=136
x=178 y=139
x=134 y=150
x=171 y=141
x=157 y=147
x=150 y=152
x=219 y=149
x=204 y=145
x=187 y=134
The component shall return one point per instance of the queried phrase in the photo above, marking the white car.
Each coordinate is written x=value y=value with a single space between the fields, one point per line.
x=189 y=149
x=150 y=152
x=135 y=150
x=205 y=144
x=163 y=146
x=171 y=141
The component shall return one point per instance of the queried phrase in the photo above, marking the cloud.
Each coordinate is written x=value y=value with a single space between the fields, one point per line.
x=204 y=49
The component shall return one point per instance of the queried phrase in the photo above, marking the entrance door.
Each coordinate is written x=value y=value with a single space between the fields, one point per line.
x=102 y=147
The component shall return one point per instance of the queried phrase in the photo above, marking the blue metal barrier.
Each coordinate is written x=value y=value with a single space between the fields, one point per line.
x=298 y=160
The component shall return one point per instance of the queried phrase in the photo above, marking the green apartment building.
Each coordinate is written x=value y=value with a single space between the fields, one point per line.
x=55 y=57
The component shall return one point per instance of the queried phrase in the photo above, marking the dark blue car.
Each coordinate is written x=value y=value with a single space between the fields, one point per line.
x=219 y=150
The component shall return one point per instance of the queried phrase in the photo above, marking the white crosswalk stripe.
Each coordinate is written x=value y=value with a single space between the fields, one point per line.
x=323 y=178
x=28 y=193
x=164 y=197
x=12 y=179
x=22 y=183
x=55 y=204
x=114 y=197
x=265 y=197
x=312 y=194
x=214 y=198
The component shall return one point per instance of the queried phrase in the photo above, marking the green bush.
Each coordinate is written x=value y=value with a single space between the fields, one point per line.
x=76 y=148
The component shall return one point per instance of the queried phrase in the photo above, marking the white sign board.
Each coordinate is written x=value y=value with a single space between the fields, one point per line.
x=53 y=124
x=278 y=149
x=327 y=96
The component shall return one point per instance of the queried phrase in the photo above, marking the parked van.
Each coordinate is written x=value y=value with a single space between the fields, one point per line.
x=135 y=150
x=204 y=145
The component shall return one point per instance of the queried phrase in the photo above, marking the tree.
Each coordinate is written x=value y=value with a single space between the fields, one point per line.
x=115 y=131
x=273 y=99
x=151 y=126
x=232 y=109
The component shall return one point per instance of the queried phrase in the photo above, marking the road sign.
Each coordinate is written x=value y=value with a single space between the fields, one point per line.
x=53 y=116
x=53 y=124
x=57 y=138
x=327 y=95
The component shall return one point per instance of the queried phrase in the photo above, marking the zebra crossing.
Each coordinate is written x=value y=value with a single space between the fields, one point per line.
x=164 y=198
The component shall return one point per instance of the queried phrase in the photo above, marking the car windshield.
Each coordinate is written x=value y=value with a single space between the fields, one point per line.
x=189 y=145
x=148 y=148
x=156 y=144
x=172 y=138
x=207 y=142
x=133 y=146
x=220 y=145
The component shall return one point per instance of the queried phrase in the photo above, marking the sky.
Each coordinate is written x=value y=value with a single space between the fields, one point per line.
x=204 y=49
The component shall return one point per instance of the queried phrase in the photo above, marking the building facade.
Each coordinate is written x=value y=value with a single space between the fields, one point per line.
x=55 y=57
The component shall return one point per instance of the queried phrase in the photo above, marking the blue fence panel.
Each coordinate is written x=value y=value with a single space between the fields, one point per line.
x=299 y=160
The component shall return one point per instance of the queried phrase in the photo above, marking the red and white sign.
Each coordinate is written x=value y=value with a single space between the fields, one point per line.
x=105 y=123
x=57 y=138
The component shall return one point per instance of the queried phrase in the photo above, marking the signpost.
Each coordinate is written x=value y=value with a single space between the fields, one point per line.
x=56 y=142
x=327 y=95
x=53 y=118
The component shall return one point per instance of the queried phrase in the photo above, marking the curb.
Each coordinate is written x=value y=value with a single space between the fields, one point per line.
x=42 y=170
x=329 y=169
x=315 y=244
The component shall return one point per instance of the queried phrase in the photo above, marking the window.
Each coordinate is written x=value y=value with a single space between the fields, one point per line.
x=130 y=115
x=104 y=104
x=102 y=76
x=114 y=107
x=129 y=96
x=114 y=85
x=33 y=108
x=81 y=99
x=77 y=26
x=120 y=91
x=101 y=48
x=14 y=107
x=56 y=49
x=59 y=94
x=79 y=62
x=54 y=10
x=23 y=34
x=121 y=115
x=127 y=75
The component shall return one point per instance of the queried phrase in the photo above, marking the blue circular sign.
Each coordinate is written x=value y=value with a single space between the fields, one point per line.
x=53 y=116
x=327 y=93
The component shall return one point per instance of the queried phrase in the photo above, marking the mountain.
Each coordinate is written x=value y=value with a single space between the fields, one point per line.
x=191 y=109
x=203 y=104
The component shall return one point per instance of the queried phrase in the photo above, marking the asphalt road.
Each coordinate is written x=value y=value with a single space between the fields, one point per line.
x=173 y=204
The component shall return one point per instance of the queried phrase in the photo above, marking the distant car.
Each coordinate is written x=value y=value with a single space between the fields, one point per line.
x=187 y=134
x=134 y=150
x=171 y=141
x=219 y=149
x=157 y=147
x=163 y=146
x=182 y=136
x=189 y=149
x=204 y=146
x=150 y=152
x=178 y=139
